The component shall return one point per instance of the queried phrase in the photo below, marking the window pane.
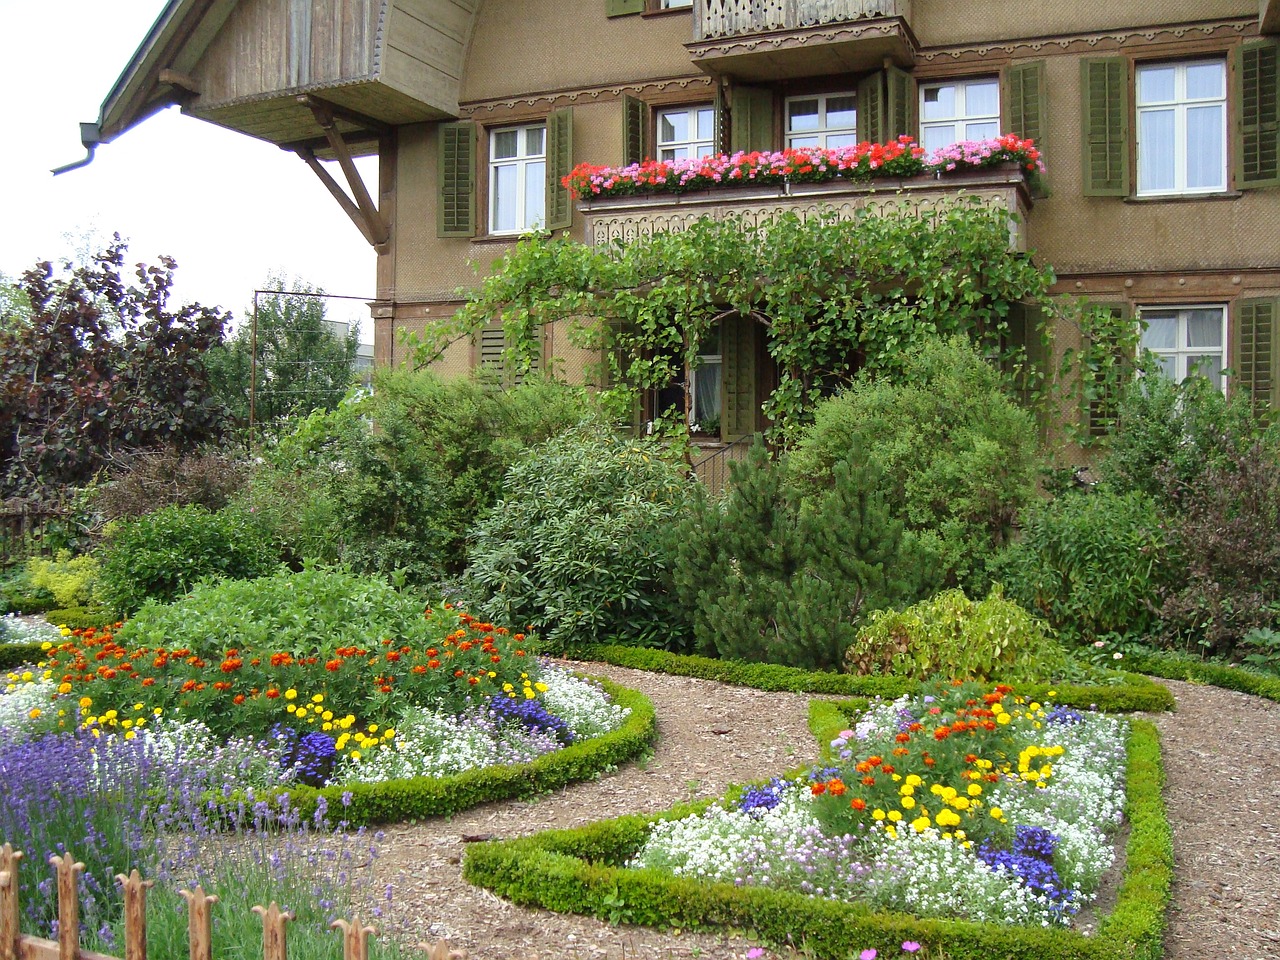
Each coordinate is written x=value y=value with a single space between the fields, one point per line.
x=1204 y=328
x=706 y=123
x=982 y=99
x=675 y=153
x=535 y=194
x=842 y=140
x=1169 y=366
x=1206 y=80
x=1156 y=150
x=506 y=144
x=841 y=111
x=803 y=115
x=1207 y=365
x=534 y=142
x=673 y=127
x=987 y=130
x=1205 y=164
x=939 y=103
x=504 y=198
x=1161 y=332
x=938 y=136
x=1156 y=84
x=796 y=143
x=706 y=393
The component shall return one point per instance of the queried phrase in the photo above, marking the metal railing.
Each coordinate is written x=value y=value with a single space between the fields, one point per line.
x=713 y=469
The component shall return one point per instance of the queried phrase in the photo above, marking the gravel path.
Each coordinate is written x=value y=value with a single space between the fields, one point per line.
x=1223 y=794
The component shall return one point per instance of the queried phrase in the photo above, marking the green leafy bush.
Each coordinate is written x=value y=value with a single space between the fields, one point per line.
x=316 y=609
x=80 y=617
x=576 y=549
x=69 y=579
x=953 y=636
x=770 y=576
x=956 y=455
x=161 y=556
x=1092 y=563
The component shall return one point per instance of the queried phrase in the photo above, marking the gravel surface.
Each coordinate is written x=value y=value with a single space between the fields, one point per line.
x=1223 y=795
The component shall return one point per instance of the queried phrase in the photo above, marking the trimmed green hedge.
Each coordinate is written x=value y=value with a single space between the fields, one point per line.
x=401 y=800
x=1137 y=693
x=16 y=654
x=78 y=618
x=1171 y=666
x=579 y=871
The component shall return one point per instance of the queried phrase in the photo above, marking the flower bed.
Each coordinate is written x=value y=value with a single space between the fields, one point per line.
x=435 y=697
x=994 y=867
x=862 y=162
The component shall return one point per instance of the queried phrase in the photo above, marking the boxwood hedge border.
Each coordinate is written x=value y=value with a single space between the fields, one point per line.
x=580 y=871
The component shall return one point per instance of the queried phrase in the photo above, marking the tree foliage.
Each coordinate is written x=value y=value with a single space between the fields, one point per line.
x=833 y=296
x=303 y=365
x=101 y=366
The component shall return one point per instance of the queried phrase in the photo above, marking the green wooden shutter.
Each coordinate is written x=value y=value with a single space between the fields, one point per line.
x=750 y=119
x=1099 y=413
x=1255 y=351
x=1024 y=97
x=1104 y=87
x=1258 y=129
x=456 y=189
x=621 y=8
x=489 y=349
x=739 y=410
x=635 y=122
x=872 y=108
x=559 y=165
x=901 y=112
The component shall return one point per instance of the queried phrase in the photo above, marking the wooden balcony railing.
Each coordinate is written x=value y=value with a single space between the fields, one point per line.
x=720 y=19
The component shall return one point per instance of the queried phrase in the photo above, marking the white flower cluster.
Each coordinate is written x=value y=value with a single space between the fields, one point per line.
x=881 y=718
x=929 y=876
x=581 y=704
x=18 y=698
x=14 y=629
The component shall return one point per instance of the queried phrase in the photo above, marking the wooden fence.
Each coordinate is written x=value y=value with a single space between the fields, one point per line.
x=23 y=528
x=15 y=945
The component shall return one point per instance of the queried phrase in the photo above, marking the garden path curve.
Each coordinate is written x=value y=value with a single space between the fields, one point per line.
x=1223 y=795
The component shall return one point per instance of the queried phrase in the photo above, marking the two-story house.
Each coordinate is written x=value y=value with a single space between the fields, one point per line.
x=1159 y=122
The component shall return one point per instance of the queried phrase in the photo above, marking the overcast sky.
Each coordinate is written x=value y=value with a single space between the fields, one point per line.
x=228 y=208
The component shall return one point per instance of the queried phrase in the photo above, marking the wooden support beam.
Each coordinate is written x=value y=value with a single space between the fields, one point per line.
x=182 y=81
x=339 y=194
x=367 y=217
x=10 y=912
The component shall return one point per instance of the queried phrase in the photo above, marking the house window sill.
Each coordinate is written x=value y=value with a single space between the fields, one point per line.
x=674 y=12
x=1186 y=197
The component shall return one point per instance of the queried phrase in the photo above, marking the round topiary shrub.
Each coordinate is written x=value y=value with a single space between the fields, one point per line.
x=950 y=635
x=162 y=555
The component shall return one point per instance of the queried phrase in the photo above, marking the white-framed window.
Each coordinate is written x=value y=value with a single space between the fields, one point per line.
x=518 y=178
x=674 y=4
x=958 y=110
x=1182 y=127
x=1188 y=341
x=686 y=132
x=825 y=120
x=704 y=387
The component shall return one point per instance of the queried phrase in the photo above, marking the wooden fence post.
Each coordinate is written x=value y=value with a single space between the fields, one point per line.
x=135 y=914
x=355 y=938
x=10 y=916
x=199 y=928
x=68 y=905
x=274 y=946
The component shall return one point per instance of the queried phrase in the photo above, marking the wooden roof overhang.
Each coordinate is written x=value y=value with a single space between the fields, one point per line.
x=325 y=79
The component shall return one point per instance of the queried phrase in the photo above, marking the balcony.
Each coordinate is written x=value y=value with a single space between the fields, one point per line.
x=765 y=40
x=621 y=219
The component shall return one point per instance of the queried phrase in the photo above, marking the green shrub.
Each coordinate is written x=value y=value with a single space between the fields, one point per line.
x=69 y=579
x=19 y=595
x=316 y=609
x=1092 y=563
x=80 y=617
x=956 y=455
x=771 y=577
x=952 y=636
x=577 y=548
x=161 y=556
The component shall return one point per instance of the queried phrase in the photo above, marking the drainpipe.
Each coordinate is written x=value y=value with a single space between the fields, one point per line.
x=90 y=136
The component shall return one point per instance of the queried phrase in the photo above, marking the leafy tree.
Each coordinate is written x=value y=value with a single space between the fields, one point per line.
x=15 y=308
x=102 y=366
x=302 y=364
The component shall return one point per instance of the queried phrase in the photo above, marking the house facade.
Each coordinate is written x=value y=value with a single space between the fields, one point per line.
x=1158 y=121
